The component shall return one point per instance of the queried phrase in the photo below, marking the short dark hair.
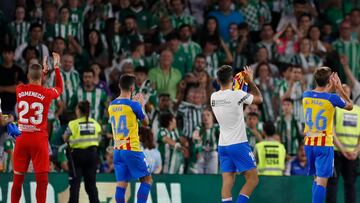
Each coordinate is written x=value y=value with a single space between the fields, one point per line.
x=172 y=36
x=269 y=128
x=35 y=71
x=126 y=82
x=287 y=99
x=201 y=55
x=242 y=26
x=184 y=25
x=130 y=16
x=59 y=38
x=89 y=70
x=253 y=114
x=266 y=25
x=304 y=15
x=141 y=69
x=35 y=25
x=30 y=48
x=355 y=10
x=164 y=95
x=212 y=40
x=135 y=45
x=165 y=119
x=225 y=74
x=322 y=76
x=64 y=7
x=8 y=49
x=300 y=2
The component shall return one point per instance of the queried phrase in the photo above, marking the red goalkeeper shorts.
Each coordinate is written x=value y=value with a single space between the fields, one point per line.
x=32 y=147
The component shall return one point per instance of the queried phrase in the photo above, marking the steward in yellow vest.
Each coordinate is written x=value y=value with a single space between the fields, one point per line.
x=347 y=146
x=270 y=153
x=83 y=136
x=347 y=128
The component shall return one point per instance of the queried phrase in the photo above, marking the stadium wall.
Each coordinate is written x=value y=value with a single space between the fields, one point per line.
x=172 y=189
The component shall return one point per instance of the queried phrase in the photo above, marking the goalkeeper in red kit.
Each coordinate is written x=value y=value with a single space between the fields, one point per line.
x=33 y=102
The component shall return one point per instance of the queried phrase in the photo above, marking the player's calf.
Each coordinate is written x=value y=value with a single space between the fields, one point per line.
x=16 y=188
x=41 y=186
x=120 y=192
x=144 y=190
x=227 y=184
x=252 y=180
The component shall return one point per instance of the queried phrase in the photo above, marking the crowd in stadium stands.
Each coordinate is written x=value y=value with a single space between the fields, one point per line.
x=174 y=47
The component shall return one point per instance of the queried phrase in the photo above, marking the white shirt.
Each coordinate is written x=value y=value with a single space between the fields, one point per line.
x=228 y=106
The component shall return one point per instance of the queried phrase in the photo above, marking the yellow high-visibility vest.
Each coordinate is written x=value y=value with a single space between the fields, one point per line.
x=347 y=127
x=84 y=134
x=271 y=158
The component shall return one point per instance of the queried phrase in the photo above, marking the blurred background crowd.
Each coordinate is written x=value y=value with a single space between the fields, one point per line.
x=174 y=47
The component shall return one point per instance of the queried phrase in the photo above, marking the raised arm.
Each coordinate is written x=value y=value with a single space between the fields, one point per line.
x=351 y=80
x=140 y=112
x=335 y=80
x=58 y=89
x=254 y=90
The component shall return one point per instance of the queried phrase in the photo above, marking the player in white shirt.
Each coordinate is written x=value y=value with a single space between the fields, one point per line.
x=235 y=153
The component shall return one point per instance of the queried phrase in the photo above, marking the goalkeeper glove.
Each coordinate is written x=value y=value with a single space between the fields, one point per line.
x=13 y=130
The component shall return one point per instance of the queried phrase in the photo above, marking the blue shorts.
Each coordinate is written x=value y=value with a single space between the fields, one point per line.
x=236 y=158
x=320 y=161
x=130 y=165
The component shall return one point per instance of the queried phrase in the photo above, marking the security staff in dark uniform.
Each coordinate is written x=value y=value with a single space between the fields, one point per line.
x=83 y=135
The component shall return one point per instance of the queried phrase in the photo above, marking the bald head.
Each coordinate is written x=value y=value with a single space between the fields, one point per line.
x=35 y=72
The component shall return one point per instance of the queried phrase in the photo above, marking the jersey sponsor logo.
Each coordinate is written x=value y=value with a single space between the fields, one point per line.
x=221 y=102
x=28 y=128
x=350 y=120
x=31 y=94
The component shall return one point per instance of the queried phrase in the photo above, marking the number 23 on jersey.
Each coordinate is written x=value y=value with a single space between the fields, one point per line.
x=24 y=115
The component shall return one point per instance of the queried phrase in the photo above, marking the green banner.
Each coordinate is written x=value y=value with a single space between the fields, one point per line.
x=172 y=189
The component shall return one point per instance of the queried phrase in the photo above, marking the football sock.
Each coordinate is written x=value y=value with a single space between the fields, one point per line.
x=120 y=195
x=143 y=192
x=242 y=199
x=16 y=188
x=319 y=194
x=41 y=187
x=314 y=187
x=227 y=200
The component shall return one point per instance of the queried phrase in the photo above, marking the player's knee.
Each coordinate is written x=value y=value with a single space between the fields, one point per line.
x=18 y=173
x=146 y=179
x=253 y=179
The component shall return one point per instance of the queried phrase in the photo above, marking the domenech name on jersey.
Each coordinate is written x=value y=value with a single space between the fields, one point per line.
x=31 y=94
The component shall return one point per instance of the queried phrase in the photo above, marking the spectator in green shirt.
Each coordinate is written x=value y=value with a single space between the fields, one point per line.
x=179 y=16
x=144 y=18
x=337 y=11
x=165 y=78
x=190 y=47
x=131 y=33
x=182 y=60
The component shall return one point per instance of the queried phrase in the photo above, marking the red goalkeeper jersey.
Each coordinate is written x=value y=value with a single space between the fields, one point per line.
x=33 y=103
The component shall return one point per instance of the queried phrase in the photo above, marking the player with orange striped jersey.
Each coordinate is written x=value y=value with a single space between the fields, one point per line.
x=319 y=108
x=129 y=159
